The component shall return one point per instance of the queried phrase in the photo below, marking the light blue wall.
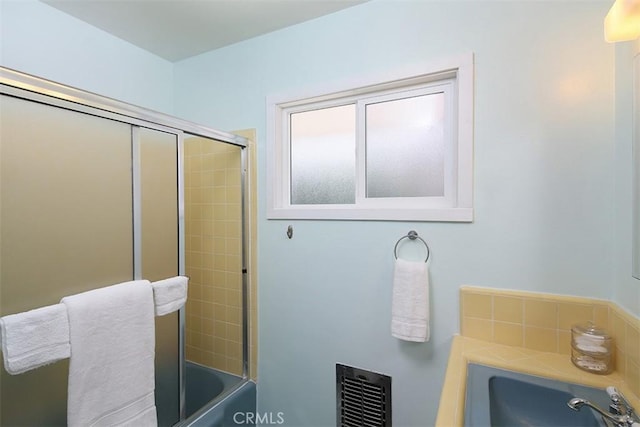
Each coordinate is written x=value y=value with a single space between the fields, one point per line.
x=545 y=205
x=40 y=40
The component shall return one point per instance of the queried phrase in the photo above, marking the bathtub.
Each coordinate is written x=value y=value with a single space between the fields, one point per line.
x=217 y=399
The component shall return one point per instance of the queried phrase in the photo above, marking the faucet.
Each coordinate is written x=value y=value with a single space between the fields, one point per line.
x=624 y=419
x=619 y=405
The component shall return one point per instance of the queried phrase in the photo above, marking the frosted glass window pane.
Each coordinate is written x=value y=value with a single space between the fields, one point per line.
x=323 y=156
x=405 y=147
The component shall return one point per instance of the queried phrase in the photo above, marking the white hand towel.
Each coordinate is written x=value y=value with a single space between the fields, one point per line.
x=111 y=373
x=35 y=338
x=169 y=295
x=410 y=301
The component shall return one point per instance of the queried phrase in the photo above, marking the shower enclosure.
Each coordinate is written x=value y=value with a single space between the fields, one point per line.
x=94 y=192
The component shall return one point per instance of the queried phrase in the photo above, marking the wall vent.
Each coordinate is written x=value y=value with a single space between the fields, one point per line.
x=363 y=398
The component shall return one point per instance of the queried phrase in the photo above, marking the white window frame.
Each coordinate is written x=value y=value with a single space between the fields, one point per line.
x=453 y=75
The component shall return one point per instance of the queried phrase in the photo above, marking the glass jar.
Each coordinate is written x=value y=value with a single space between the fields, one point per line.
x=591 y=349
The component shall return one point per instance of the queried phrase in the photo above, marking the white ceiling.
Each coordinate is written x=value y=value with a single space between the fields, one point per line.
x=178 y=29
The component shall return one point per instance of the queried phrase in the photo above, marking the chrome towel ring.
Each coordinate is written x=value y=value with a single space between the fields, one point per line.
x=411 y=235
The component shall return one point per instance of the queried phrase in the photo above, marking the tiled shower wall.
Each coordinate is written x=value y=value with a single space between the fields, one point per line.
x=213 y=243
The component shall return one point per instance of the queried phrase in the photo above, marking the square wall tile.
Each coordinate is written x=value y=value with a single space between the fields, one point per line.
x=541 y=339
x=570 y=314
x=508 y=309
x=508 y=333
x=540 y=313
x=481 y=329
x=477 y=305
x=633 y=343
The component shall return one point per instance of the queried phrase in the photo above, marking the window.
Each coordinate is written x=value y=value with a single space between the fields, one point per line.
x=397 y=149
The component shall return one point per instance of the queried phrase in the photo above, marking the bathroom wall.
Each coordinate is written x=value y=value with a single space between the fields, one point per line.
x=40 y=40
x=547 y=156
x=545 y=167
x=213 y=246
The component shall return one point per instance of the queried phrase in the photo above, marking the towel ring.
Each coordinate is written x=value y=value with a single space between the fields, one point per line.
x=411 y=235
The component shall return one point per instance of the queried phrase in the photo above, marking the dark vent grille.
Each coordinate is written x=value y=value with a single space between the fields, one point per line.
x=363 y=398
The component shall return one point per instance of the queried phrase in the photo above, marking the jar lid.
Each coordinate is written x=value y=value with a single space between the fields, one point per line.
x=589 y=328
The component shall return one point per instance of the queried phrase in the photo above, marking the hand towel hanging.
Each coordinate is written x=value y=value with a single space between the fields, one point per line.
x=410 y=301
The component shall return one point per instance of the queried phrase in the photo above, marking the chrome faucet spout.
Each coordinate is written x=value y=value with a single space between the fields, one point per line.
x=620 y=420
x=576 y=403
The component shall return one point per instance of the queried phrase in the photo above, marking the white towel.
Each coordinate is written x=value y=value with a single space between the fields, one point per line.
x=111 y=373
x=169 y=295
x=35 y=338
x=410 y=301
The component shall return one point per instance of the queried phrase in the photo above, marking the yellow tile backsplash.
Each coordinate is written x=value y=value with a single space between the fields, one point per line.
x=542 y=322
x=531 y=333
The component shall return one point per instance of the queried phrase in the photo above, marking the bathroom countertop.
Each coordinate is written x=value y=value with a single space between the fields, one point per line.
x=551 y=365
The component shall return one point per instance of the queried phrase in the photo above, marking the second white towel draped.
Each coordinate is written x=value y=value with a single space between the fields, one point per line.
x=35 y=338
x=410 y=301
x=170 y=294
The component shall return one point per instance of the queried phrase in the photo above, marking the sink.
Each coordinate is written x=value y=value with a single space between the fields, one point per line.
x=498 y=397
x=520 y=403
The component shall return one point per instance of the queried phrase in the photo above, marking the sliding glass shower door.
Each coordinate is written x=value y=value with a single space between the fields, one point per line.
x=65 y=227
x=85 y=202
